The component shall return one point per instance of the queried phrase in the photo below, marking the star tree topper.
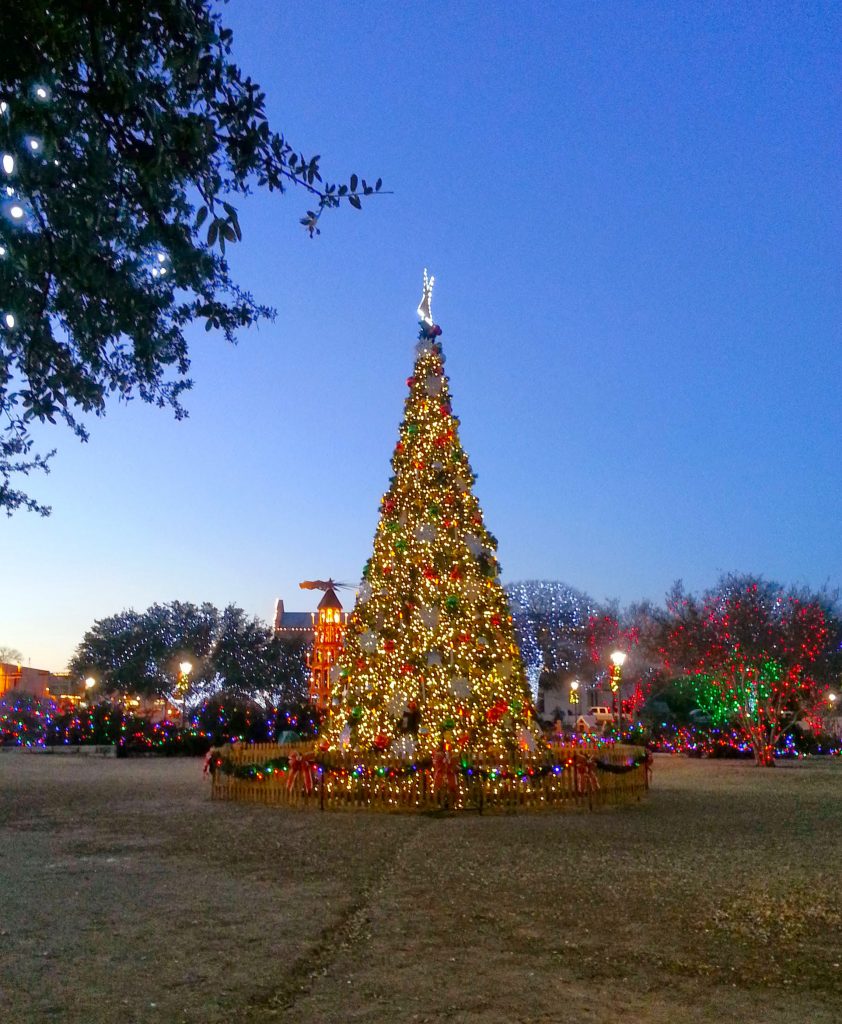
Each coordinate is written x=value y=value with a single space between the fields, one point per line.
x=425 y=313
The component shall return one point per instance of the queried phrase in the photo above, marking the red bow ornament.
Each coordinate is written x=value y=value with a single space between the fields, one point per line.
x=497 y=711
x=444 y=771
x=586 y=780
x=301 y=768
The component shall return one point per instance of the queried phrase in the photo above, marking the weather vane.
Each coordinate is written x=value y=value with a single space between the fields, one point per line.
x=425 y=313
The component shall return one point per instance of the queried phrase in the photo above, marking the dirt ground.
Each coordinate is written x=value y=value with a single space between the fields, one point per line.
x=127 y=896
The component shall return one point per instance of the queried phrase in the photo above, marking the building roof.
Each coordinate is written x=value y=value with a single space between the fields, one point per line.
x=330 y=600
x=295 y=620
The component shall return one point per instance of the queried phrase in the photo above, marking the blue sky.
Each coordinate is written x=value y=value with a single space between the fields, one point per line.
x=632 y=212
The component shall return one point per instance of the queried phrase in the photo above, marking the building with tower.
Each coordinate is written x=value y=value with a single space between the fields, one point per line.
x=329 y=625
x=324 y=629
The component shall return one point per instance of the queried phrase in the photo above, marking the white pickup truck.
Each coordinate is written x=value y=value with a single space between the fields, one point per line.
x=595 y=720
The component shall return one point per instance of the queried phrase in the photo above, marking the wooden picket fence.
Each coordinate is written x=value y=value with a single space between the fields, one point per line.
x=564 y=777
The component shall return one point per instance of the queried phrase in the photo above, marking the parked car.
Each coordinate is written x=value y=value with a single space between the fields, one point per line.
x=595 y=720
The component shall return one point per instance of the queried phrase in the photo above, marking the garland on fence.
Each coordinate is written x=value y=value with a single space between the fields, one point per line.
x=444 y=770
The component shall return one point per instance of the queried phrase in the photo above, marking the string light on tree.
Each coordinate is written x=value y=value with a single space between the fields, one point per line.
x=551 y=623
x=159 y=268
x=755 y=654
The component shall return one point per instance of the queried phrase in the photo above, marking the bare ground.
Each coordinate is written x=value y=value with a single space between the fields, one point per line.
x=127 y=896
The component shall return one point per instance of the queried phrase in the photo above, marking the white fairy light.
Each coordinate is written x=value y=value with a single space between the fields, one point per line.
x=41 y=92
x=9 y=320
x=34 y=144
x=158 y=269
x=16 y=212
x=4 y=106
x=9 y=190
x=2 y=250
x=8 y=163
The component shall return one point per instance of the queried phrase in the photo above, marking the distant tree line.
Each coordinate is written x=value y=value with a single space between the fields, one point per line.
x=747 y=653
x=231 y=656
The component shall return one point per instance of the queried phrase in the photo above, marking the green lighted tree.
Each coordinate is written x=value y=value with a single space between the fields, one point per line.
x=758 y=655
x=430 y=657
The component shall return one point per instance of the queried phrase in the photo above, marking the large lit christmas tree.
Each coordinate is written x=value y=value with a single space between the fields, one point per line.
x=430 y=660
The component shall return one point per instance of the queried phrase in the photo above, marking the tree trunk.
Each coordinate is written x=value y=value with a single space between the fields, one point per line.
x=764 y=756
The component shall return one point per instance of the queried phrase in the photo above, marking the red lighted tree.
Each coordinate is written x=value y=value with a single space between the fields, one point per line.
x=605 y=634
x=762 y=651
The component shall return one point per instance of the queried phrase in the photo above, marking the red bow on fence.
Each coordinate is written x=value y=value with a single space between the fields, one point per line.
x=301 y=767
x=444 y=771
x=648 y=764
x=586 y=780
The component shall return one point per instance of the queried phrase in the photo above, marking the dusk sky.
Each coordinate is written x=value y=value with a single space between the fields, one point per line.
x=632 y=212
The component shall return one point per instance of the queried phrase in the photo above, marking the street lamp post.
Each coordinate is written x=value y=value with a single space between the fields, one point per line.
x=184 y=668
x=574 y=699
x=618 y=659
x=90 y=683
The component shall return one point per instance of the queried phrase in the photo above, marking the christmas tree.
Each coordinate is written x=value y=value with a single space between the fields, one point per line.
x=430 y=660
